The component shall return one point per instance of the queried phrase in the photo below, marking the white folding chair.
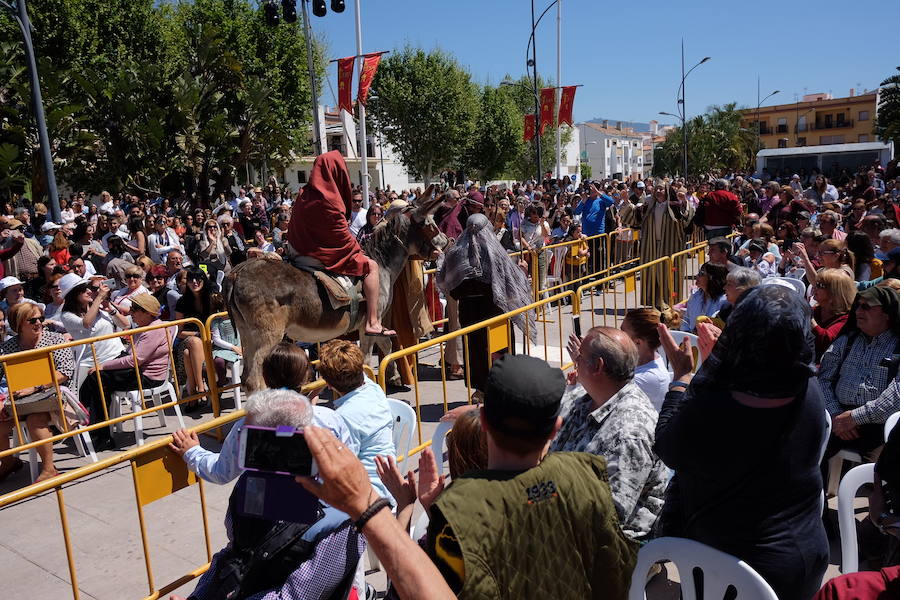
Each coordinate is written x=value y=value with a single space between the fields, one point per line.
x=152 y=397
x=437 y=443
x=559 y=261
x=404 y=424
x=679 y=336
x=836 y=465
x=720 y=571
x=855 y=478
x=420 y=526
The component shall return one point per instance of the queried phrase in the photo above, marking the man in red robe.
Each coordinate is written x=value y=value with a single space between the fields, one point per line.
x=319 y=229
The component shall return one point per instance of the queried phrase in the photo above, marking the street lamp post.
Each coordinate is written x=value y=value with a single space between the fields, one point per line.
x=684 y=129
x=313 y=86
x=758 y=104
x=18 y=10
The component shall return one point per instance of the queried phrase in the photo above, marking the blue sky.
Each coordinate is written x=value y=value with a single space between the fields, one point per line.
x=627 y=55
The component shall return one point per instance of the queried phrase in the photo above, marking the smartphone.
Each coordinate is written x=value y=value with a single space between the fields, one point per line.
x=278 y=450
x=110 y=283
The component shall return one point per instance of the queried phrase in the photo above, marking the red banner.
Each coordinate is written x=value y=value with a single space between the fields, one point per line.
x=529 y=128
x=345 y=83
x=566 y=103
x=548 y=101
x=370 y=66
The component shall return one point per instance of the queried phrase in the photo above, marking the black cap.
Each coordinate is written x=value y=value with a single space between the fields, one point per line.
x=523 y=395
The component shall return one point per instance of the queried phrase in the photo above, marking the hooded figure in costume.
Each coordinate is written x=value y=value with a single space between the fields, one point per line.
x=479 y=273
x=319 y=231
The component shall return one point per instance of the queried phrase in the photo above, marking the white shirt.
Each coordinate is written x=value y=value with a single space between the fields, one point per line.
x=160 y=244
x=653 y=378
x=357 y=221
x=103 y=325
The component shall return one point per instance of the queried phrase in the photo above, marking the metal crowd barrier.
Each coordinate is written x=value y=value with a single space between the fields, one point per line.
x=498 y=334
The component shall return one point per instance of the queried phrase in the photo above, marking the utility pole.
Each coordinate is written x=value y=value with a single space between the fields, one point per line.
x=19 y=11
x=361 y=108
x=313 y=85
x=558 y=93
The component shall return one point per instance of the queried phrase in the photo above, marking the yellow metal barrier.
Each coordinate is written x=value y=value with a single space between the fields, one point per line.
x=156 y=473
x=35 y=367
x=498 y=335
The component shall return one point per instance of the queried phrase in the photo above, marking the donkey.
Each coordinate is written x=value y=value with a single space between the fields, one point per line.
x=269 y=299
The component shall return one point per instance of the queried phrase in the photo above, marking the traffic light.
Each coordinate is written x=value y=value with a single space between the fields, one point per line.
x=289 y=9
x=337 y=6
x=318 y=8
x=271 y=12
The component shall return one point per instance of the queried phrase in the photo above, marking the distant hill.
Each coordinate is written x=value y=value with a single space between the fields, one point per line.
x=638 y=127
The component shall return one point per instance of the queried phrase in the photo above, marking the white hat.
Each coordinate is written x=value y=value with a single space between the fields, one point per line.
x=8 y=282
x=69 y=281
x=50 y=226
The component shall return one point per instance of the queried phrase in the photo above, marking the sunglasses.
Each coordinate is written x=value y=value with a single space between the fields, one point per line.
x=821 y=286
x=195 y=278
x=36 y=320
x=133 y=276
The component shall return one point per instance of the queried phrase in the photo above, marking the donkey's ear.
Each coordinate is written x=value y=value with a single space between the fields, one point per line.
x=428 y=207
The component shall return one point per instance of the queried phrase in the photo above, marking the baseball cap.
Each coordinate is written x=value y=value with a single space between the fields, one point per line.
x=9 y=281
x=50 y=226
x=640 y=184
x=147 y=302
x=523 y=395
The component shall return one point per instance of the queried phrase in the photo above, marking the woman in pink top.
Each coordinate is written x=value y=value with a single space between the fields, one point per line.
x=120 y=374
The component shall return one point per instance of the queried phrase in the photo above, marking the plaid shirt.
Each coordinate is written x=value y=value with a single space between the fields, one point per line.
x=861 y=383
x=622 y=431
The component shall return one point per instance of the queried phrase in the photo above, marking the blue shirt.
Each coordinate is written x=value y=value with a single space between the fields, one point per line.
x=224 y=466
x=371 y=422
x=593 y=214
x=698 y=305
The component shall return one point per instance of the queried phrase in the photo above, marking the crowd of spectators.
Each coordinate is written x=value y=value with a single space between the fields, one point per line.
x=796 y=314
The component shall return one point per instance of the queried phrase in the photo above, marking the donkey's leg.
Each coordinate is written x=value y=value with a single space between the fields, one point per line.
x=256 y=349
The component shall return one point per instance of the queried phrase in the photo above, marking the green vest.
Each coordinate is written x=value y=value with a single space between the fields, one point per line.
x=550 y=532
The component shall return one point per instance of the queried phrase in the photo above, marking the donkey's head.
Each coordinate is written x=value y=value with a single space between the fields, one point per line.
x=415 y=227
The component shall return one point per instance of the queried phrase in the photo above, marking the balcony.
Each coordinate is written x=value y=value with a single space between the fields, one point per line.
x=845 y=124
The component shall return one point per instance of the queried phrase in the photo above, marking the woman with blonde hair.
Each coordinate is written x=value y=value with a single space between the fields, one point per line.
x=213 y=247
x=834 y=293
x=833 y=254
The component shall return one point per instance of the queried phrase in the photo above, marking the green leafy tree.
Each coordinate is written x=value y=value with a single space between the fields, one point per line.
x=427 y=108
x=716 y=143
x=586 y=171
x=887 y=120
x=498 y=139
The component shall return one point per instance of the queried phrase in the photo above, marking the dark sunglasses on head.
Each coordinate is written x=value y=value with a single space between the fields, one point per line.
x=36 y=320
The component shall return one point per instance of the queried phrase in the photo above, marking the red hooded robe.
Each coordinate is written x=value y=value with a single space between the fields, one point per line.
x=319 y=225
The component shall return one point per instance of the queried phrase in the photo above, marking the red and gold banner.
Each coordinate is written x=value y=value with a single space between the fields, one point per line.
x=345 y=83
x=548 y=100
x=529 y=128
x=565 y=105
x=370 y=66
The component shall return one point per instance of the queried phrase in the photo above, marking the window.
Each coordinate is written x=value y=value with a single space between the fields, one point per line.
x=863 y=137
x=863 y=115
x=782 y=143
x=840 y=118
x=801 y=141
x=301 y=176
x=801 y=124
x=782 y=125
x=829 y=121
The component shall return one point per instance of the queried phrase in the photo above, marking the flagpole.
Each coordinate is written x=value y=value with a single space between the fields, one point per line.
x=361 y=108
x=558 y=94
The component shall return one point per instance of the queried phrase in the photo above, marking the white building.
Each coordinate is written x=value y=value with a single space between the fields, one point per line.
x=612 y=152
x=340 y=133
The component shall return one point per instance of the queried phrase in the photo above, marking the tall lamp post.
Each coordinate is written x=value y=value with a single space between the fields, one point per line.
x=681 y=102
x=531 y=61
x=19 y=12
x=758 y=104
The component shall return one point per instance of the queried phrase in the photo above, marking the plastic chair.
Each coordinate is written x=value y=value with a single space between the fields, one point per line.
x=437 y=443
x=404 y=424
x=152 y=397
x=678 y=336
x=889 y=425
x=851 y=482
x=796 y=283
x=236 y=368
x=559 y=262
x=419 y=527
x=720 y=571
